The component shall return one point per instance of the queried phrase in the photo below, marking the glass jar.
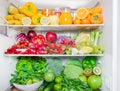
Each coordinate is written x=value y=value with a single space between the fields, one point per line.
x=47 y=12
x=57 y=11
x=66 y=17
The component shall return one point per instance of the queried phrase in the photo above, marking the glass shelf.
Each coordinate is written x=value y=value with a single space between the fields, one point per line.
x=54 y=55
x=54 y=27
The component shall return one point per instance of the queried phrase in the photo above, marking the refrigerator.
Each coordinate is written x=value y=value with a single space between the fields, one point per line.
x=107 y=61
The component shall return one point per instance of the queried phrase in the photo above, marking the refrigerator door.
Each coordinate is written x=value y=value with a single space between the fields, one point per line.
x=118 y=39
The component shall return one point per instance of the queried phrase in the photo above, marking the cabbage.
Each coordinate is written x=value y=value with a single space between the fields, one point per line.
x=73 y=71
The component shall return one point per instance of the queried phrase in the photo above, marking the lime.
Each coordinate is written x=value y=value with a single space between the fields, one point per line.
x=97 y=70
x=58 y=79
x=45 y=20
x=57 y=87
x=26 y=21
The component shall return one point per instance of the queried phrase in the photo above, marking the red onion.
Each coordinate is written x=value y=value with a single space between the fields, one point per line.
x=21 y=36
x=31 y=34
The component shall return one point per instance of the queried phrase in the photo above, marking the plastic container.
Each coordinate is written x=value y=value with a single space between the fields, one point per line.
x=31 y=87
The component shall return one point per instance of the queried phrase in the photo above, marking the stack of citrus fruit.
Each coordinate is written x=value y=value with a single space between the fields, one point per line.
x=88 y=16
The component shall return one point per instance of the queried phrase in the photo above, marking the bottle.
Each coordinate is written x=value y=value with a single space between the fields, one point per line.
x=47 y=12
x=57 y=11
x=66 y=17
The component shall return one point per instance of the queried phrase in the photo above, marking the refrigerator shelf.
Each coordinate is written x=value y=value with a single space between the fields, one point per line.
x=54 y=27
x=53 y=55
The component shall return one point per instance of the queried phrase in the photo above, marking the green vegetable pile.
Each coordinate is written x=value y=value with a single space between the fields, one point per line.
x=29 y=70
x=70 y=75
x=74 y=75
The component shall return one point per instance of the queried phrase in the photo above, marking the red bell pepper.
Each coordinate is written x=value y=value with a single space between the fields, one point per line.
x=38 y=40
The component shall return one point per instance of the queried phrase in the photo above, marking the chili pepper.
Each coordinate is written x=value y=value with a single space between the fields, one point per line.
x=39 y=40
x=29 y=9
x=89 y=62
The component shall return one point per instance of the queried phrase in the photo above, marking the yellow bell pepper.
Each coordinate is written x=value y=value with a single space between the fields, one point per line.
x=36 y=19
x=29 y=9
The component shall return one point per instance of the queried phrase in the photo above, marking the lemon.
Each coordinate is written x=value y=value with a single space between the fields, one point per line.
x=26 y=21
x=45 y=20
x=54 y=20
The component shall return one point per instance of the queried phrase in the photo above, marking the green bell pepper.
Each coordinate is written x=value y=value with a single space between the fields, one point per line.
x=89 y=62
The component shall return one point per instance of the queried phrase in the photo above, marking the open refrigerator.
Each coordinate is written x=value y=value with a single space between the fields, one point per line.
x=107 y=60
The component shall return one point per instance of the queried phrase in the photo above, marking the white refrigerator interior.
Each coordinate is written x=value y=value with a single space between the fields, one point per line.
x=7 y=64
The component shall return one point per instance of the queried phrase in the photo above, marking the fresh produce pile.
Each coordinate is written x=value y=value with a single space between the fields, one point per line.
x=29 y=70
x=52 y=43
x=29 y=14
x=74 y=75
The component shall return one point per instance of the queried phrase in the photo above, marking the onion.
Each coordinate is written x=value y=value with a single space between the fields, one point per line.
x=21 y=36
x=31 y=34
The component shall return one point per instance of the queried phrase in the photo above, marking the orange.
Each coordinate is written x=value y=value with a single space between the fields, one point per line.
x=82 y=13
x=76 y=21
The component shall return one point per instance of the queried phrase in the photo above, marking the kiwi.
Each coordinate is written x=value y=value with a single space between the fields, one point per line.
x=97 y=70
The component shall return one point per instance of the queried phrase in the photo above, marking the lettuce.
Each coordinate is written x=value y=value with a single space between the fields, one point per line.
x=73 y=71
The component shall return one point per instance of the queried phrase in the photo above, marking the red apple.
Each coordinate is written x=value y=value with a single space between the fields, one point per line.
x=51 y=36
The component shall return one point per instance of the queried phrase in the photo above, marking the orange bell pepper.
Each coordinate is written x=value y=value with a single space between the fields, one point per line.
x=97 y=19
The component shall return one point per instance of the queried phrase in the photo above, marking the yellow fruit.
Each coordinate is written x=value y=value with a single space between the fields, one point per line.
x=14 y=22
x=20 y=9
x=54 y=20
x=9 y=17
x=12 y=10
x=26 y=21
x=82 y=13
x=19 y=16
